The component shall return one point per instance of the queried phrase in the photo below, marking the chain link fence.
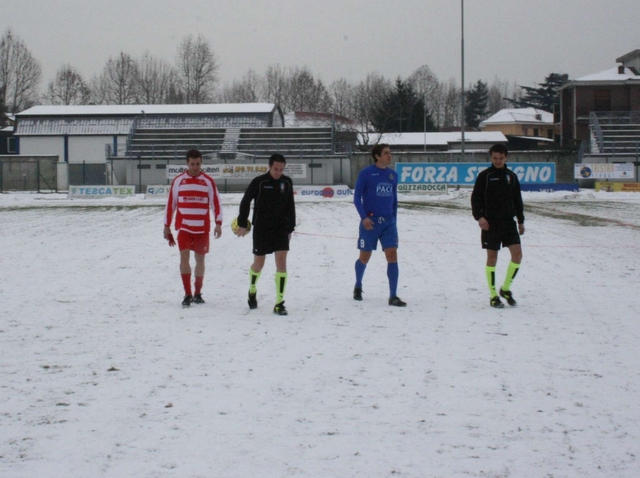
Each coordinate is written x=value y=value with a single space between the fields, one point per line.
x=29 y=174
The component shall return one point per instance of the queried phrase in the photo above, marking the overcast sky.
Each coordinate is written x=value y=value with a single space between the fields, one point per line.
x=515 y=40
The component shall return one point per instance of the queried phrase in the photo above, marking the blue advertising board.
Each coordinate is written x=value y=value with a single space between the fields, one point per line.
x=465 y=174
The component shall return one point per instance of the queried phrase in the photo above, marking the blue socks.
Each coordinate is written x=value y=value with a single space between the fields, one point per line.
x=360 y=267
x=392 y=274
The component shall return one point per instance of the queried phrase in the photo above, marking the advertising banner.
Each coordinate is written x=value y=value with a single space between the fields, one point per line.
x=157 y=191
x=423 y=188
x=465 y=174
x=618 y=187
x=96 y=192
x=603 y=171
x=238 y=171
x=550 y=188
x=322 y=192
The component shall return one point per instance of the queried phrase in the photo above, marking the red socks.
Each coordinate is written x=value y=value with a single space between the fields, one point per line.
x=186 y=282
x=199 y=281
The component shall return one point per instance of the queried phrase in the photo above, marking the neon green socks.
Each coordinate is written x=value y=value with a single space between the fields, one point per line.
x=281 y=285
x=491 y=280
x=253 y=280
x=512 y=270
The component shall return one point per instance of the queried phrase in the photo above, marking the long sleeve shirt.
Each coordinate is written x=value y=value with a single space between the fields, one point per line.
x=191 y=198
x=273 y=208
x=496 y=195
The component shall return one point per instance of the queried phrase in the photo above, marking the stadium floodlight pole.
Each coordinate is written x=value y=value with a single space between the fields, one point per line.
x=462 y=118
x=424 y=107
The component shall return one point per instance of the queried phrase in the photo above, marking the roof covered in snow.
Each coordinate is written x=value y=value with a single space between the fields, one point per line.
x=439 y=139
x=612 y=75
x=129 y=110
x=520 y=115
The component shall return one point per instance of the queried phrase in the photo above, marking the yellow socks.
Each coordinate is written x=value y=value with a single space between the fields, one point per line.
x=491 y=280
x=281 y=285
x=253 y=280
x=512 y=270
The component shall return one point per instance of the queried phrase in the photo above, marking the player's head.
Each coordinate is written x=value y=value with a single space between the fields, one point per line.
x=193 y=153
x=498 y=153
x=276 y=165
x=377 y=150
x=381 y=155
x=499 y=148
x=194 y=162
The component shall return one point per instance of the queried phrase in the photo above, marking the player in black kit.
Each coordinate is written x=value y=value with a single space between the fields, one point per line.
x=495 y=201
x=274 y=219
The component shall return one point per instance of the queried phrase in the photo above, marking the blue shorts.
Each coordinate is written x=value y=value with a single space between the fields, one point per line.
x=384 y=230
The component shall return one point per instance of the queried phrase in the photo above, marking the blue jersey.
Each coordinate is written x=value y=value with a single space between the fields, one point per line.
x=376 y=192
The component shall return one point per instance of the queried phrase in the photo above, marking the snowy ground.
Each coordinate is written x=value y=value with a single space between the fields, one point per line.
x=103 y=374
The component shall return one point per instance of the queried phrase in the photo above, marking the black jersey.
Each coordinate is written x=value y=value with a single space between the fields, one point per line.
x=496 y=195
x=273 y=207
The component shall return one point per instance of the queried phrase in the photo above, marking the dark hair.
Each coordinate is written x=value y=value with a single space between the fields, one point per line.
x=193 y=153
x=277 y=158
x=499 y=148
x=377 y=150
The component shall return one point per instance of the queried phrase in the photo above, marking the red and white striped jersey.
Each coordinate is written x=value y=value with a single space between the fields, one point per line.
x=191 y=197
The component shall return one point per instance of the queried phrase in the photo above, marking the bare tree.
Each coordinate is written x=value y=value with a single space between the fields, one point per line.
x=499 y=91
x=20 y=74
x=197 y=68
x=342 y=95
x=153 y=79
x=369 y=96
x=68 y=88
x=118 y=83
x=247 y=90
x=428 y=87
x=275 y=84
x=304 y=93
x=451 y=105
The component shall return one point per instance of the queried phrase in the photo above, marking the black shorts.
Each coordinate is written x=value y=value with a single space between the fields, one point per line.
x=500 y=232
x=266 y=241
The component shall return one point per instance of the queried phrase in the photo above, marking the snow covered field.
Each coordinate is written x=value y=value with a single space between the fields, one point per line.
x=103 y=374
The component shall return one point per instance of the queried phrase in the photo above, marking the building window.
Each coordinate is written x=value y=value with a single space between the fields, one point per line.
x=602 y=100
x=536 y=132
x=11 y=145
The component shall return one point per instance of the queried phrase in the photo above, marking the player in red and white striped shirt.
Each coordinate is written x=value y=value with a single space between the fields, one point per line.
x=192 y=195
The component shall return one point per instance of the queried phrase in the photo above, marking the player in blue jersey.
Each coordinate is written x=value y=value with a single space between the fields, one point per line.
x=376 y=199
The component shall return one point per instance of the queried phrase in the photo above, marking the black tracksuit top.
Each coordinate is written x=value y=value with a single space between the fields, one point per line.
x=496 y=195
x=273 y=207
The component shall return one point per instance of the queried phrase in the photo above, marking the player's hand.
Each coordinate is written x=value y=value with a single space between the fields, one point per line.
x=217 y=232
x=367 y=223
x=169 y=237
x=242 y=231
x=521 y=228
x=483 y=223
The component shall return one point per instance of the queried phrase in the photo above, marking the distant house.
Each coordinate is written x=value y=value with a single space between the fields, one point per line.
x=523 y=127
x=609 y=91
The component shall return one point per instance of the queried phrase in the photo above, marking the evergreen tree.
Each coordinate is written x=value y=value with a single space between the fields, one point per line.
x=545 y=96
x=402 y=111
x=476 y=105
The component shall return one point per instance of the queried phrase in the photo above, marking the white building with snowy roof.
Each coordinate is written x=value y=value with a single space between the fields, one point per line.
x=522 y=126
x=449 y=141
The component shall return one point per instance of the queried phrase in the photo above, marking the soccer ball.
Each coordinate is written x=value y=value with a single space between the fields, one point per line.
x=235 y=227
